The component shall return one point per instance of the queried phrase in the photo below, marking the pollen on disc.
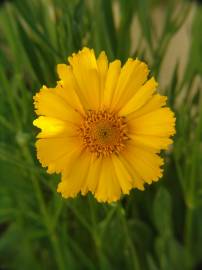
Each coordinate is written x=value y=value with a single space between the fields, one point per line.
x=103 y=132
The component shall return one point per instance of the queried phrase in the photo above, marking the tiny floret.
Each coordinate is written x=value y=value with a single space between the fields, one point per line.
x=103 y=133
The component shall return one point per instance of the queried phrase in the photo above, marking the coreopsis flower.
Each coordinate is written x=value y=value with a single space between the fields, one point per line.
x=102 y=126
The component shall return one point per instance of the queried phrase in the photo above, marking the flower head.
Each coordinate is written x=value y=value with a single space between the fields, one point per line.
x=102 y=126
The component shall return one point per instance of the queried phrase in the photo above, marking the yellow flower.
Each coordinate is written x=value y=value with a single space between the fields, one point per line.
x=102 y=126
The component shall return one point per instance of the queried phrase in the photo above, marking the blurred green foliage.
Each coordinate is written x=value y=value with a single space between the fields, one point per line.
x=159 y=229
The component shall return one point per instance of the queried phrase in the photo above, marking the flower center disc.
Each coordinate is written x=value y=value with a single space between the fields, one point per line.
x=103 y=132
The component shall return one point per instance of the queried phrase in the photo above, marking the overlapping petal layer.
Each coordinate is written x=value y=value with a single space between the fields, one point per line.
x=90 y=84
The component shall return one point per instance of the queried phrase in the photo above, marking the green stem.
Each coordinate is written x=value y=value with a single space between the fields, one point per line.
x=129 y=242
x=191 y=193
x=189 y=235
x=96 y=236
x=190 y=203
x=188 y=228
x=44 y=212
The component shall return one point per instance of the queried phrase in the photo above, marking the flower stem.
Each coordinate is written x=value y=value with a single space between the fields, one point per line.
x=191 y=201
x=191 y=195
x=96 y=236
x=44 y=212
x=129 y=242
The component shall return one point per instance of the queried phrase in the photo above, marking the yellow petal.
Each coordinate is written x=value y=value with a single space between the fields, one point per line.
x=108 y=189
x=140 y=97
x=91 y=181
x=67 y=87
x=85 y=70
x=47 y=102
x=53 y=127
x=63 y=72
x=133 y=75
x=157 y=101
x=137 y=181
x=154 y=143
x=146 y=164
x=123 y=176
x=102 y=64
x=74 y=177
x=57 y=153
x=111 y=82
x=160 y=122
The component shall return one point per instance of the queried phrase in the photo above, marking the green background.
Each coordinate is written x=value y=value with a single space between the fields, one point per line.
x=158 y=229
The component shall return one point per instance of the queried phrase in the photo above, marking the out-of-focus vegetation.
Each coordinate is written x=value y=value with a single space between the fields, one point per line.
x=159 y=229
